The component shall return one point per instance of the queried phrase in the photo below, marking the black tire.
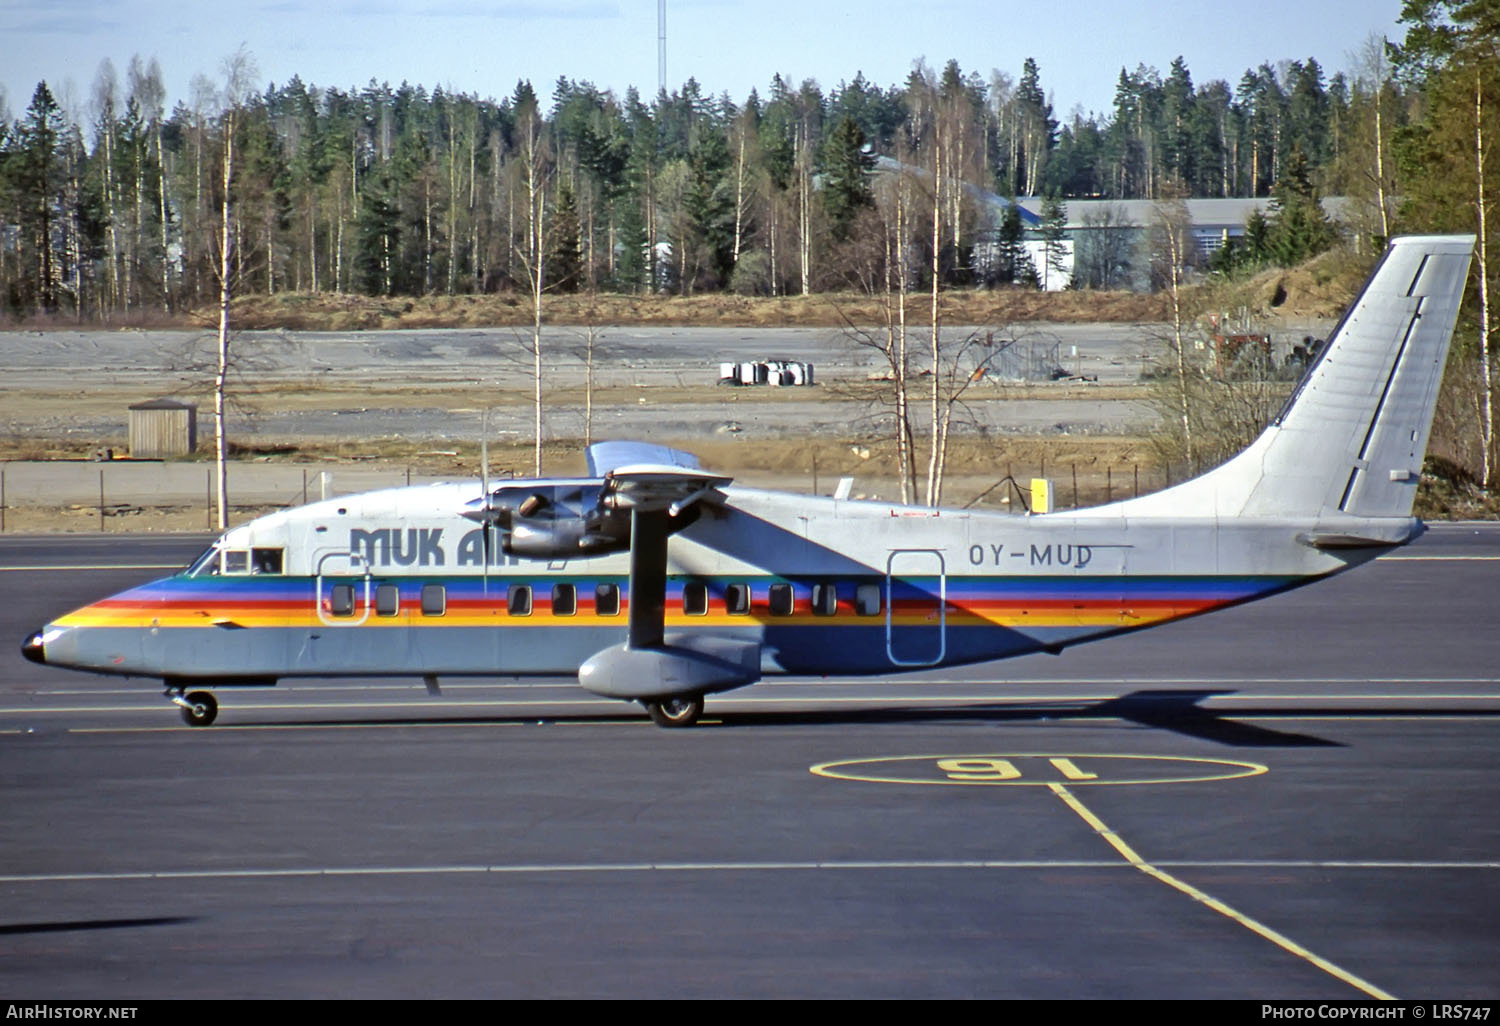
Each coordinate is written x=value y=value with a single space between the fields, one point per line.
x=201 y=709
x=677 y=711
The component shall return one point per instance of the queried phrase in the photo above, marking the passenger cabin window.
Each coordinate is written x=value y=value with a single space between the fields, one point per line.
x=341 y=600
x=781 y=600
x=867 y=600
x=695 y=598
x=434 y=600
x=825 y=600
x=387 y=600
x=564 y=600
x=737 y=599
x=607 y=600
x=518 y=600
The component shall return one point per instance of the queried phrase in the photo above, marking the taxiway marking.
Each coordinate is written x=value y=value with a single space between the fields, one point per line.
x=1037 y=769
x=1282 y=941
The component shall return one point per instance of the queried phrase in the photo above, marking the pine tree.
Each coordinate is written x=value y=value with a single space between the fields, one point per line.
x=564 y=255
x=1298 y=227
x=1012 y=265
x=1054 y=238
x=36 y=176
x=847 y=167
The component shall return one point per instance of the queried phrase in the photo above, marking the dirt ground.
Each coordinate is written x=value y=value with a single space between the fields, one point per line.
x=1319 y=288
x=326 y=311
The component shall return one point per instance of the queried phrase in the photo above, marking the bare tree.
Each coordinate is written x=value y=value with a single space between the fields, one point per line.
x=239 y=75
x=1231 y=392
x=1103 y=249
x=877 y=266
x=590 y=334
x=105 y=99
x=536 y=165
x=1171 y=243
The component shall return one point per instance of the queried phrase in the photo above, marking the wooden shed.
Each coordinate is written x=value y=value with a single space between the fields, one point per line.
x=163 y=428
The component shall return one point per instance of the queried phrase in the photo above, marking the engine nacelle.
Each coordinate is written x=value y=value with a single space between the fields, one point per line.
x=559 y=539
x=687 y=664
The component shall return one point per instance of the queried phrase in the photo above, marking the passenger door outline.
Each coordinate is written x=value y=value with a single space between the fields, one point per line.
x=336 y=567
x=916 y=644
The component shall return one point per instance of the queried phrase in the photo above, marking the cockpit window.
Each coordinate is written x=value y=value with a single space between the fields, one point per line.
x=215 y=561
x=207 y=563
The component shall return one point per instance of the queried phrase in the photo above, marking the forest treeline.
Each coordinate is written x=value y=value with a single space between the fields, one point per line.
x=118 y=207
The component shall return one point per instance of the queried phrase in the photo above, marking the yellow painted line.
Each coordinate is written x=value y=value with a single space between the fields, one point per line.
x=998 y=770
x=1254 y=926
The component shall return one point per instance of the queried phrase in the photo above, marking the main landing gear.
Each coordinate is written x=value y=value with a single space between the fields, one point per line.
x=199 y=708
x=677 y=711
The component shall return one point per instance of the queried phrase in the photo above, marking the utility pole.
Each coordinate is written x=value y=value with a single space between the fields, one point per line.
x=661 y=47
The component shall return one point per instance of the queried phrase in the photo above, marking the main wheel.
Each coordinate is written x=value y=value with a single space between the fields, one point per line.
x=201 y=709
x=677 y=711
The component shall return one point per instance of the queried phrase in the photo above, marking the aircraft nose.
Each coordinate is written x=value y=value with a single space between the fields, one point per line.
x=33 y=649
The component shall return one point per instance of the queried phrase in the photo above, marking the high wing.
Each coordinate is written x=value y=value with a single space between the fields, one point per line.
x=660 y=489
x=566 y=518
x=604 y=457
x=637 y=496
x=648 y=488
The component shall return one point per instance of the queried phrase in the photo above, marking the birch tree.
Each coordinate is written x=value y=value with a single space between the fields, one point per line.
x=239 y=74
x=536 y=168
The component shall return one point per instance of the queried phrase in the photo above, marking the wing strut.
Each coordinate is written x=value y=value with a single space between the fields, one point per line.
x=648 y=578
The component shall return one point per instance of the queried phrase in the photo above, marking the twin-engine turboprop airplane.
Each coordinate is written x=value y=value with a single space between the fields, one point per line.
x=658 y=582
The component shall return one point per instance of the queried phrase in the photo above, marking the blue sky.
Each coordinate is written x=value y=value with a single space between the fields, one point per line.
x=484 y=48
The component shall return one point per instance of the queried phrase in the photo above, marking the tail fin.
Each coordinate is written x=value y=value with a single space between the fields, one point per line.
x=1351 y=439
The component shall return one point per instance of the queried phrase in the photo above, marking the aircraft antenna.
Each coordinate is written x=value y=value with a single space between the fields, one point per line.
x=484 y=485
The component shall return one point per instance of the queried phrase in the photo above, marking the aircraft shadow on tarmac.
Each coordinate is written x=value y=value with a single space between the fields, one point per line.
x=1178 y=711
x=69 y=926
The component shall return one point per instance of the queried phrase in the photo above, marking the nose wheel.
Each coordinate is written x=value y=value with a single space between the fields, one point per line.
x=199 y=708
x=677 y=711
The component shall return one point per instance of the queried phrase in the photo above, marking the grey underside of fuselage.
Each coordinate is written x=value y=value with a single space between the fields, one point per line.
x=274 y=652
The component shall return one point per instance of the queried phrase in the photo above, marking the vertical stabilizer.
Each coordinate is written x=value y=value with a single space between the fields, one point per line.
x=1351 y=439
